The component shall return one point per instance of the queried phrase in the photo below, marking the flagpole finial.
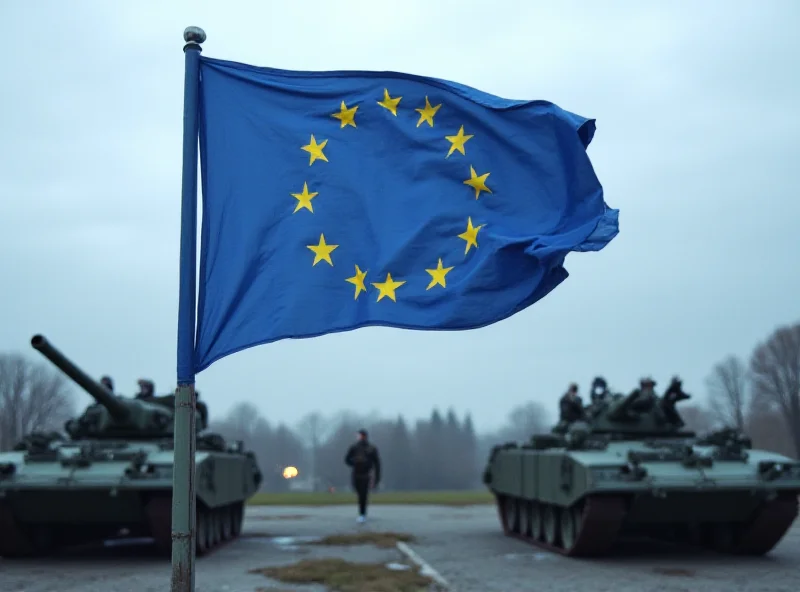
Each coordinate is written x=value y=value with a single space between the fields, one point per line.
x=193 y=36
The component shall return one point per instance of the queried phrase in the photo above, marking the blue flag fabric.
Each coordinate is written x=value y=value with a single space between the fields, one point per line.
x=339 y=200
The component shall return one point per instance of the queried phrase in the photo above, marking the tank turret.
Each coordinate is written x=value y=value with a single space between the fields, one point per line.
x=642 y=413
x=639 y=414
x=114 y=416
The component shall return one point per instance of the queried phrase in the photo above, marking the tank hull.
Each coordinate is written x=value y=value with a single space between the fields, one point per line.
x=84 y=492
x=580 y=502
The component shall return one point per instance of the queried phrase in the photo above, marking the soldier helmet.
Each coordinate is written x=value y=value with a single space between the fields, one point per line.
x=647 y=381
x=599 y=381
x=146 y=384
x=107 y=382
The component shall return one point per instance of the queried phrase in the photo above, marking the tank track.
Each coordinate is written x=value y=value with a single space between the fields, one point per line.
x=591 y=527
x=15 y=541
x=215 y=526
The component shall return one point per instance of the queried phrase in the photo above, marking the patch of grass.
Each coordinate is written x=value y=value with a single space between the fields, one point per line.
x=431 y=498
x=344 y=576
x=384 y=540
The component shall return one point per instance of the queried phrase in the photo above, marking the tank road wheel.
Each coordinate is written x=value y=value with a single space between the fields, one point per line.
x=237 y=516
x=43 y=540
x=724 y=536
x=159 y=518
x=551 y=516
x=537 y=520
x=524 y=516
x=227 y=524
x=512 y=515
x=570 y=526
x=215 y=532
x=202 y=531
x=14 y=542
x=500 y=506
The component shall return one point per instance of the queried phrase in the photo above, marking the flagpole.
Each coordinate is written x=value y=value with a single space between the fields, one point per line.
x=183 y=487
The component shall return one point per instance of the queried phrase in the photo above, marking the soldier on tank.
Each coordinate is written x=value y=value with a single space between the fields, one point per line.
x=647 y=395
x=599 y=392
x=108 y=383
x=147 y=389
x=571 y=406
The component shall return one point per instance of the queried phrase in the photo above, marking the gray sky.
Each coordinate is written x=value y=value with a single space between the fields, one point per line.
x=697 y=125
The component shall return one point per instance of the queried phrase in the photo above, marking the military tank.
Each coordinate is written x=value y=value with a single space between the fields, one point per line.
x=629 y=467
x=111 y=476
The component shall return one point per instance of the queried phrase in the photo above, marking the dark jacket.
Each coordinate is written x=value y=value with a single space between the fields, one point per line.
x=363 y=457
x=571 y=409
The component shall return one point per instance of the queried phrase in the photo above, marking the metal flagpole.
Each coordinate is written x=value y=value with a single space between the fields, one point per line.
x=183 y=487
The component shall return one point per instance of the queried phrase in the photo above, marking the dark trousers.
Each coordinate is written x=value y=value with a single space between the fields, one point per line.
x=361 y=485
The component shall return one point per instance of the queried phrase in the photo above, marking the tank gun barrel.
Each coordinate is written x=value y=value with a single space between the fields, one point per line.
x=100 y=394
x=619 y=409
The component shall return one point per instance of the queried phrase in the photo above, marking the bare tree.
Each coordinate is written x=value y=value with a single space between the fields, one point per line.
x=524 y=421
x=775 y=370
x=33 y=397
x=727 y=389
x=766 y=427
x=697 y=419
x=313 y=429
x=242 y=420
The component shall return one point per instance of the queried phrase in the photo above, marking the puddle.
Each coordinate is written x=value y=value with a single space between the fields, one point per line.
x=286 y=543
x=398 y=566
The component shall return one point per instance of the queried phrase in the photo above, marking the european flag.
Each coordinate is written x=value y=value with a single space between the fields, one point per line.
x=339 y=200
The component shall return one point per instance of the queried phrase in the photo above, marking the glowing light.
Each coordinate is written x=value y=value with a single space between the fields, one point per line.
x=290 y=472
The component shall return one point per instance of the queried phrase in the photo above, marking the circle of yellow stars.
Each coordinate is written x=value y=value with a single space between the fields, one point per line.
x=477 y=182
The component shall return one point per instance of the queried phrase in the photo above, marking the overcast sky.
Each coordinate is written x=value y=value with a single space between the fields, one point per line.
x=697 y=127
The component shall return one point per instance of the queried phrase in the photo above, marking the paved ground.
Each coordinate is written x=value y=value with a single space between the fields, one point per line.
x=464 y=545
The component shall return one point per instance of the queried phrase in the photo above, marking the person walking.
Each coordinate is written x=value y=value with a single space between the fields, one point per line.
x=365 y=462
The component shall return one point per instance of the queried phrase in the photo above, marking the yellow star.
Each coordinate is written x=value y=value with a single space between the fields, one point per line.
x=304 y=199
x=322 y=251
x=427 y=112
x=437 y=276
x=470 y=235
x=358 y=281
x=389 y=102
x=457 y=142
x=387 y=288
x=315 y=150
x=477 y=182
x=346 y=116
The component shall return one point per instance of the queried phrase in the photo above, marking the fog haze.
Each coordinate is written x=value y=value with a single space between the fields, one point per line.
x=697 y=124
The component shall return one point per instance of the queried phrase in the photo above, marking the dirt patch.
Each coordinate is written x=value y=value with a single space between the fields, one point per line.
x=383 y=540
x=280 y=517
x=343 y=576
x=674 y=572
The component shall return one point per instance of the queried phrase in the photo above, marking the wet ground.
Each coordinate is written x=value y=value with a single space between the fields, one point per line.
x=464 y=545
